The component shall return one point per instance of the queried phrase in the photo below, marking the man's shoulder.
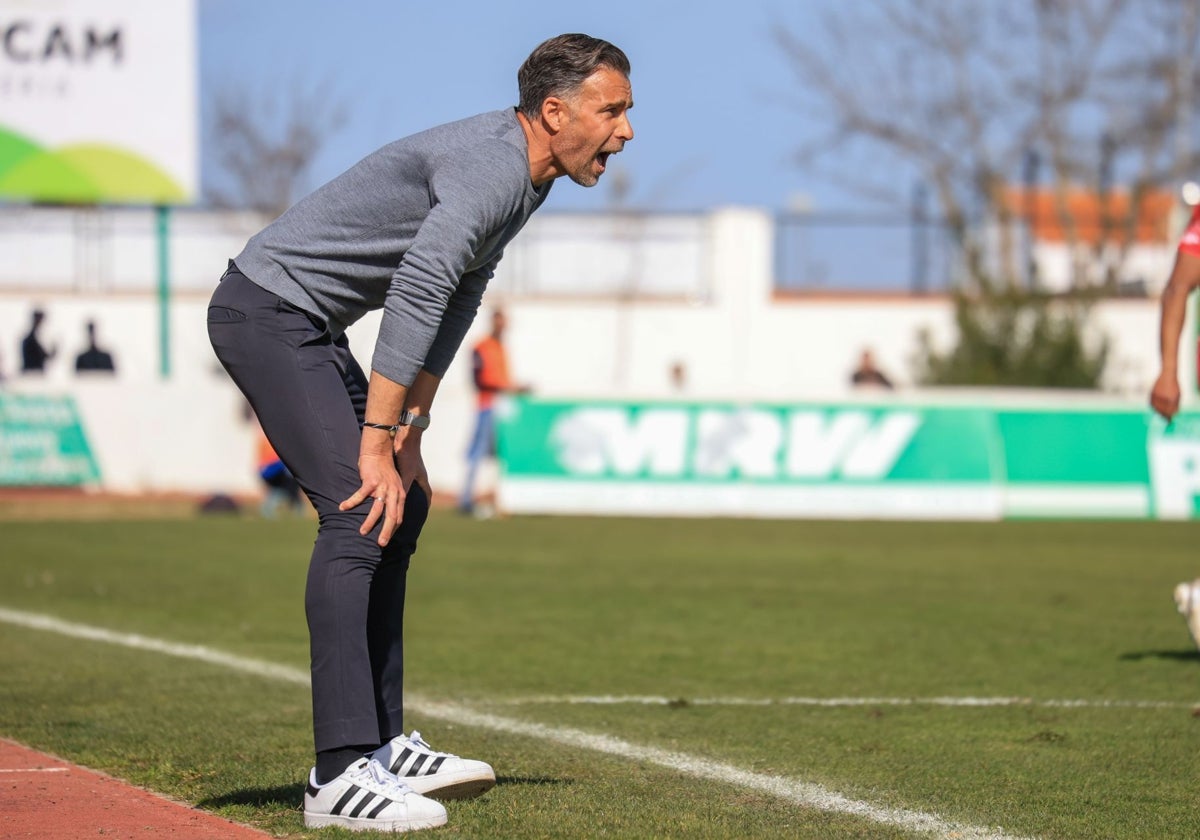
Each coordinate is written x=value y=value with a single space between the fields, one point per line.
x=497 y=134
x=491 y=145
x=487 y=128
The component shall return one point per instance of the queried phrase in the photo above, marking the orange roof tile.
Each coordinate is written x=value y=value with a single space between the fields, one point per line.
x=1088 y=212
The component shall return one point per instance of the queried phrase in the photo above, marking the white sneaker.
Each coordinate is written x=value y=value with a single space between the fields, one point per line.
x=366 y=797
x=437 y=774
x=1187 y=601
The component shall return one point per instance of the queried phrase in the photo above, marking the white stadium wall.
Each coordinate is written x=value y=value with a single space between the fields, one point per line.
x=736 y=339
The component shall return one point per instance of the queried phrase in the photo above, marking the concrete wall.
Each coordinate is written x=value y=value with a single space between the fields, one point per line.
x=736 y=340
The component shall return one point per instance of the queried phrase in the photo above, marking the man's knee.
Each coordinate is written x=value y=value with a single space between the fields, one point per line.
x=344 y=527
x=416 y=511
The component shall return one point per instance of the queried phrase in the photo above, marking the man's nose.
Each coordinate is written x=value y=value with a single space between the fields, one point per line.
x=625 y=131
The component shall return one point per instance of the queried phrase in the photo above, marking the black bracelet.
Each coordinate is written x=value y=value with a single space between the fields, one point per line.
x=384 y=427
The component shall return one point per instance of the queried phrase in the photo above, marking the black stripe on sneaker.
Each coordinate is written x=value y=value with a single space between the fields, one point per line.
x=353 y=791
x=366 y=800
x=415 y=770
x=437 y=764
x=310 y=789
x=374 y=812
x=400 y=759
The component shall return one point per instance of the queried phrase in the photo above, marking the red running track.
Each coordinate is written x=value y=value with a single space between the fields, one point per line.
x=49 y=799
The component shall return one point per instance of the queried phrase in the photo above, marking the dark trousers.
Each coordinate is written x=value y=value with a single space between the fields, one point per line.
x=310 y=394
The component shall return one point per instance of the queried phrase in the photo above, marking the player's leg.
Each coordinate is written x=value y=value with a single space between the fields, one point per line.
x=1187 y=601
x=428 y=772
x=288 y=367
x=385 y=630
x=385 y=611
x=475 y=453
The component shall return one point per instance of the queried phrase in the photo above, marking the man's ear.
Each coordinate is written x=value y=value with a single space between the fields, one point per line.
x=554 y=114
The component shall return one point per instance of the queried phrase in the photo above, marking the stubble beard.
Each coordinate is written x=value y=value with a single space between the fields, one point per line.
x=586 y=179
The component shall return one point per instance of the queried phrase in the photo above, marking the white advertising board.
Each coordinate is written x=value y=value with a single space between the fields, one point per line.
x=98 y=101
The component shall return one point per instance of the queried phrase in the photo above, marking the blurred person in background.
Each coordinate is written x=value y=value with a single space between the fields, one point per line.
x=678 y=376
x=416 y=230
x=1164 y=396
x=867 y=375
x=93 y=358
x=33 y=354
x=491 y=377
x=283 y=491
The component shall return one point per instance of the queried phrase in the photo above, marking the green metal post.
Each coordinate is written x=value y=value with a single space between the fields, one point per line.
x=164 y=292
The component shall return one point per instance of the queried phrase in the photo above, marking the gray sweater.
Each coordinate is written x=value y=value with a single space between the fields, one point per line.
x=416 y=229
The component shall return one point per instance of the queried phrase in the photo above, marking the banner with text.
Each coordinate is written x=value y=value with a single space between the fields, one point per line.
x=98 y=101
x=42 y=443
x=846 y=461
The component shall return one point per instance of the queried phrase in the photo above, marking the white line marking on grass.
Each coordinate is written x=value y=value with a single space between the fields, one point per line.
x=37 y=621
x=989 y=702
x=806 y=794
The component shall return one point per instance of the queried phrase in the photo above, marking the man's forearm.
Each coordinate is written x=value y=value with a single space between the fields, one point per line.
x=385 y=401
x=420 y=395
x=1184 y=278
x=1174 y=305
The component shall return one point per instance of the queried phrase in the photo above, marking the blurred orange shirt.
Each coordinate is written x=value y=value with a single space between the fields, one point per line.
x=491 y=371
x=266 y=454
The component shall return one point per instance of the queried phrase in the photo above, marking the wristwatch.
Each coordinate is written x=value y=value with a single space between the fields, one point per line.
x=418 y=421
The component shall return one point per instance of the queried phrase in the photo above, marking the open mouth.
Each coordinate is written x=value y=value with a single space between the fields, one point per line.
x=602 y=158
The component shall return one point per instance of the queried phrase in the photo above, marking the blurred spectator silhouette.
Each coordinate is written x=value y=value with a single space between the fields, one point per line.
x=33 y=355
x=678 y=376
x=93 y=358
x=283 y=491
x=491 y=377
x=867 y=375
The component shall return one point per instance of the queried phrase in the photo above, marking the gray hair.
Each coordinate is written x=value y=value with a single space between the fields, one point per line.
x=558 y=67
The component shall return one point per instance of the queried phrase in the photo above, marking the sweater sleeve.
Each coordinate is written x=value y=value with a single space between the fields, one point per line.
x=460 y=314
x=473 y=195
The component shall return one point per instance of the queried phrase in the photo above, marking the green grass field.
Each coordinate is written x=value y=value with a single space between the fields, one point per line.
x=513 y=618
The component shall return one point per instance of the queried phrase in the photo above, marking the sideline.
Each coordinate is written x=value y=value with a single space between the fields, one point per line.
x=836 y=702
x=796 y=791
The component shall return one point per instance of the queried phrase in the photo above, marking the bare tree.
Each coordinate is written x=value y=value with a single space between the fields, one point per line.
x=970 y=93
x=265 y=144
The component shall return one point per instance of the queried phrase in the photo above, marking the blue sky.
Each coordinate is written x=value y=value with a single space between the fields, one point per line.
x=707 y=80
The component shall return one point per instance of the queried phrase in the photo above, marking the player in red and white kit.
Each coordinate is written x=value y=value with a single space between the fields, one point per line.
x=1185 y=277
x=1165 y=396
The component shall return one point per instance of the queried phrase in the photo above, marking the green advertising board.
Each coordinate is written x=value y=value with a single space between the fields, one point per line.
x=846 y=460
x=42 y=443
